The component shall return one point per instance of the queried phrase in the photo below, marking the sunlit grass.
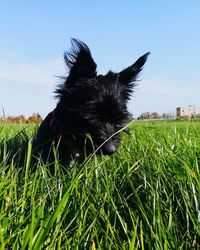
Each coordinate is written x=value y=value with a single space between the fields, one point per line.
x=146 y=196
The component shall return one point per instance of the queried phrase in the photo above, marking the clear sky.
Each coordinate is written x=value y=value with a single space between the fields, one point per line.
x=35 y=34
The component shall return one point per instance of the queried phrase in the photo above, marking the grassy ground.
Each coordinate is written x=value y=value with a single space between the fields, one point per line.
x=146 y=196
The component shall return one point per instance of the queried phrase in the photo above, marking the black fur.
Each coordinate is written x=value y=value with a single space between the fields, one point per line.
x=89 y=104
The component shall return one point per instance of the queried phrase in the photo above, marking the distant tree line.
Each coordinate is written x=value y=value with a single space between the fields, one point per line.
x=21 y=119
x=187 y=117
x=36 y=118
x=155 y=115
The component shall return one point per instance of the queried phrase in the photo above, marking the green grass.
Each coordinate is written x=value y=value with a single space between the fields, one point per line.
x=146 y=196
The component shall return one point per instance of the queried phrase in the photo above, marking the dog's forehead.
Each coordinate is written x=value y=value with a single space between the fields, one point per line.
x=110 y=77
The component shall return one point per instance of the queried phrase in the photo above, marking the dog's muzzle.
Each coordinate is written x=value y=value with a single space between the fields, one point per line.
x=108 y=148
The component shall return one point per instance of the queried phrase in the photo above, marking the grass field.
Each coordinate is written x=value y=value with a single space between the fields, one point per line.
x=146 y=196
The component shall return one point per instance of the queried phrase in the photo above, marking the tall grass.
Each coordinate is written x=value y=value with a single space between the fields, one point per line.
x=146 y=196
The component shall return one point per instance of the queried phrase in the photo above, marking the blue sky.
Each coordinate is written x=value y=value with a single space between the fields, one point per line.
x=35 y=34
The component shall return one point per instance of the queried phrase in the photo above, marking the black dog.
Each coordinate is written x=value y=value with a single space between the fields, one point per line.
x=91 y=108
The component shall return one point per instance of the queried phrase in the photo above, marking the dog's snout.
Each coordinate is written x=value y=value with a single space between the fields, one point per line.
x=109 y=149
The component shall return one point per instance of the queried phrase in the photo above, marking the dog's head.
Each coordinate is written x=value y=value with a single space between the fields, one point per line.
x=95 y=104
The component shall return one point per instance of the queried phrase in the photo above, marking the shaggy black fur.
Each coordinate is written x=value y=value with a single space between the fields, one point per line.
x=89 y=104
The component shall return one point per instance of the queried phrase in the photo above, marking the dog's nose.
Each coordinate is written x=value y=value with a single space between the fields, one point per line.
x=109 y=149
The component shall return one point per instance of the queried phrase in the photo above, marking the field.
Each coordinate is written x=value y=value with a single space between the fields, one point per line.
x=146 y=196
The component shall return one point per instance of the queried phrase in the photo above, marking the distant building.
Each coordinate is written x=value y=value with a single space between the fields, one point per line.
x=181 y=111
x=190 y=111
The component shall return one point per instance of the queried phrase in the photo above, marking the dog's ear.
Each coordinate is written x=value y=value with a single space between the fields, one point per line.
x=128 y=76
x=79 y=61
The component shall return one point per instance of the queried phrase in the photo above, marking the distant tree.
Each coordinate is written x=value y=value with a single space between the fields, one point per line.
x=10 y=119
x=145 y=115
x=154 y=115
x=21 y=119
x=35 y=118
x=168 y=116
